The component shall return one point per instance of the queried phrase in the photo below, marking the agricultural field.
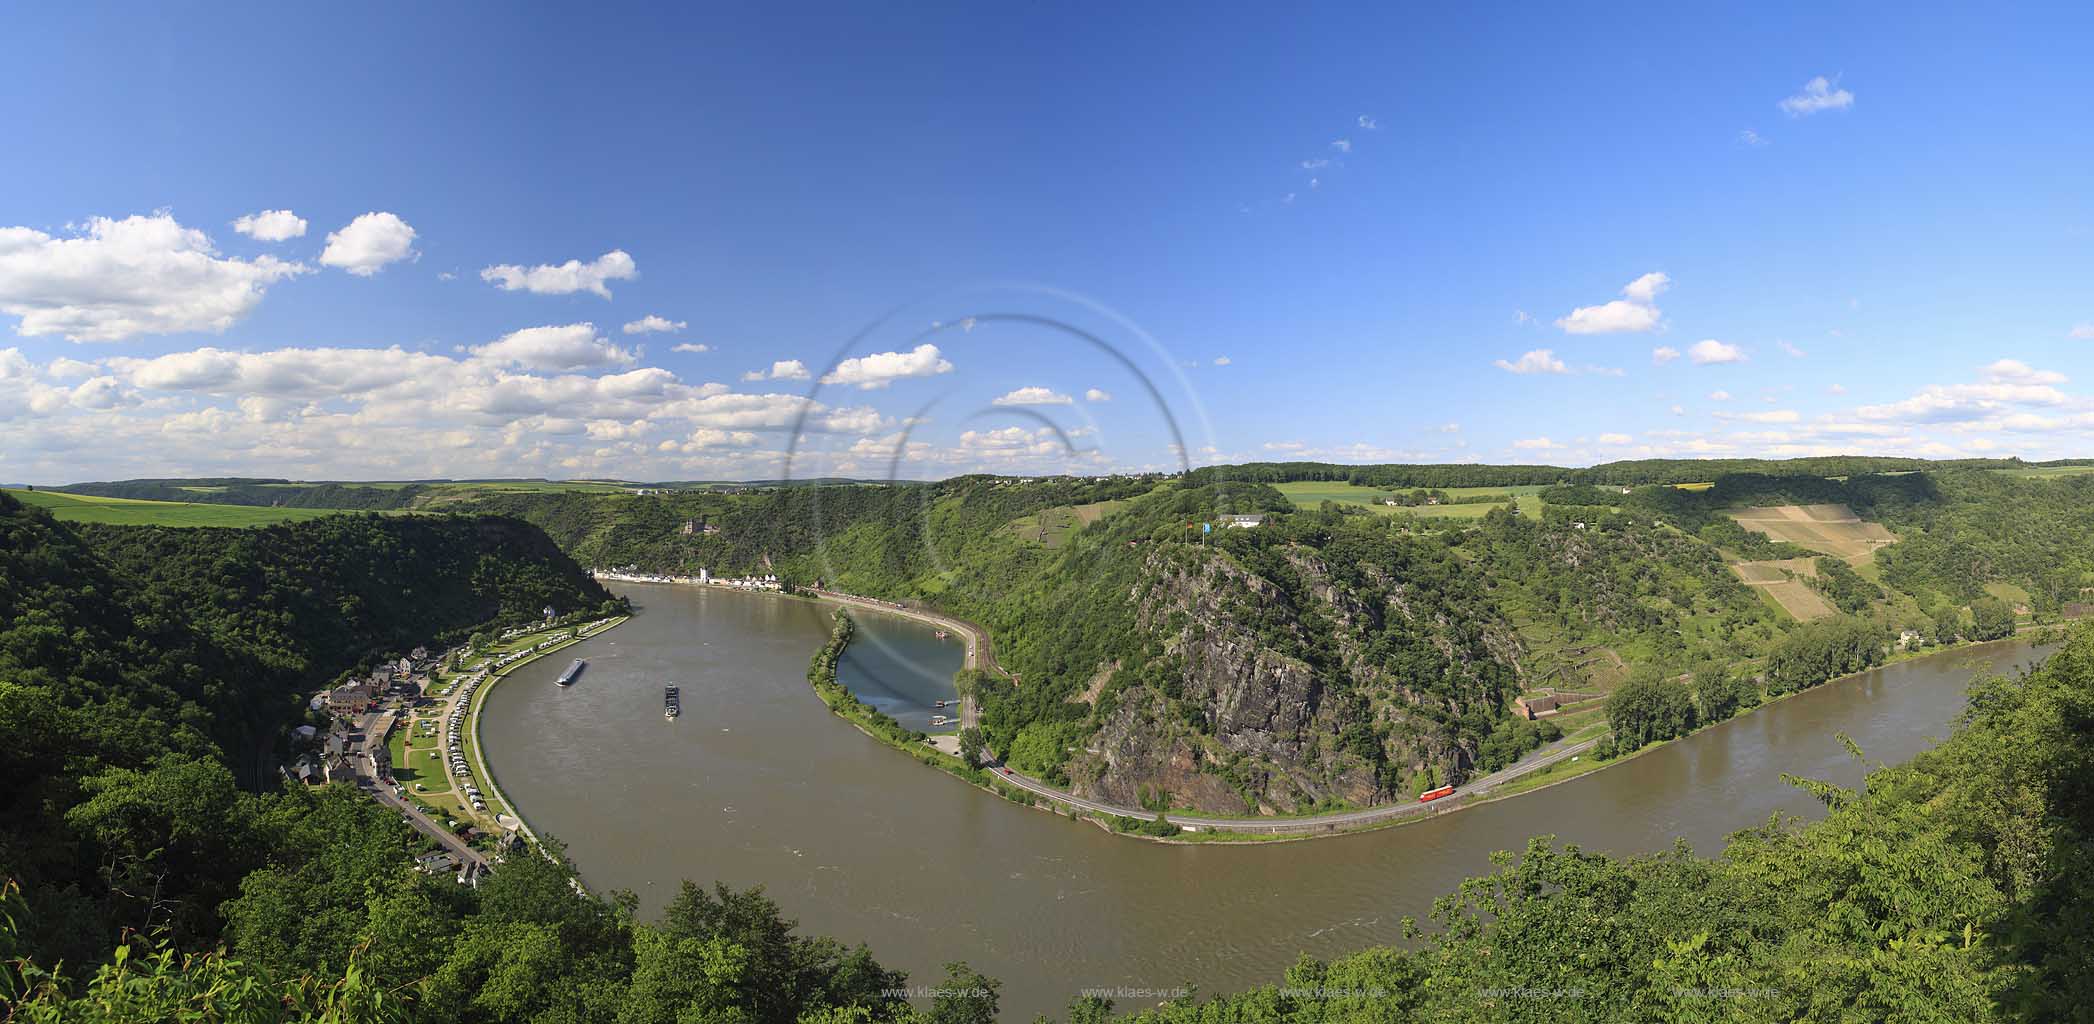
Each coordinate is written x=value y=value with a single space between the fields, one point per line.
x=1308 y=494
x=2046 y=472
x=1530 y=505
x=1829 y=529
x=1783 y=582
x=1051 y=527
x=83 y=508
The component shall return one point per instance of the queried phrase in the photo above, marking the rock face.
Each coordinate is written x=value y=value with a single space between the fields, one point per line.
x=1266 y=698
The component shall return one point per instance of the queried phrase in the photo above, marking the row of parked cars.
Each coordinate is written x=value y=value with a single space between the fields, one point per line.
x=459 y=769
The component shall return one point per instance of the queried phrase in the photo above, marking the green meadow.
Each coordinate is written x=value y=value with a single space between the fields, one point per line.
x=83 y=508
x=1310 y=493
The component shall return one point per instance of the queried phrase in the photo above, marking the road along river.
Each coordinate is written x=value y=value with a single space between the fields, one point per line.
x=758 y=783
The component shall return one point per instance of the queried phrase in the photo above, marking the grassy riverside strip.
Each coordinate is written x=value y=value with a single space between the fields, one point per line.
x=491 y=789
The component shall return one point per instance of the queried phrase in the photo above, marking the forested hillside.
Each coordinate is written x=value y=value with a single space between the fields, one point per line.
x=1353 y=653
x=1346 y=655
x=1954 y=888
x=143 y=670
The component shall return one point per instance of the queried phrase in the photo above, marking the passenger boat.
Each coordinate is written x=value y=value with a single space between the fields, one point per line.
x=671 y=705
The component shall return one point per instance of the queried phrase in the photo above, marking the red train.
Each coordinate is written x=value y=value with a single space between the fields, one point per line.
x=1434 y=794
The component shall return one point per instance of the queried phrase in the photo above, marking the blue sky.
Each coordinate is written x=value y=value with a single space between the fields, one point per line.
x=1383 y=220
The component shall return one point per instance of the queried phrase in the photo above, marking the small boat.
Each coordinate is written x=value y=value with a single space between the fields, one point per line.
x=671 y=705
x=567 y=677
x=938 y=720
x=941 y=634
x=938 y=704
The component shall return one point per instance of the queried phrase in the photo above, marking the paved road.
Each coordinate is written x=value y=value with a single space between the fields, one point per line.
x=981 y=654
x=1319 y=823
x=374 y=726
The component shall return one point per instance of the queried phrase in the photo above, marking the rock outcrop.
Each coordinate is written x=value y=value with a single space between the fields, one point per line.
x=1275 y=699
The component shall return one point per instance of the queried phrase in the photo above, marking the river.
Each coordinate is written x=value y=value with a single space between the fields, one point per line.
x=758 y=784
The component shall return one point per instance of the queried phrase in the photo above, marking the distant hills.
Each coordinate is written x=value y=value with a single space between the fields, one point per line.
x=1625 y=472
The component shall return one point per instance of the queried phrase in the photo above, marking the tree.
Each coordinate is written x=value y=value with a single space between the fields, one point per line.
x=966 y=997
x=1948 y=624
x=1991 y=619
x=1720 y=693
x=971 y=746
x=1649 y=709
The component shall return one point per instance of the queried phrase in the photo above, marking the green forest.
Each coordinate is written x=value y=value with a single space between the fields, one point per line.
x=1123 y=627
x=1415 y=632
x=153 y=872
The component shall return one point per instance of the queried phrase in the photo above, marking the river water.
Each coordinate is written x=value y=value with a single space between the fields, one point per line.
x=758 y=784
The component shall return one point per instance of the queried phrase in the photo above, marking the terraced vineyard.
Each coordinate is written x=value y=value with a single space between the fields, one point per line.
x=1784 y=581
x=1830 y=529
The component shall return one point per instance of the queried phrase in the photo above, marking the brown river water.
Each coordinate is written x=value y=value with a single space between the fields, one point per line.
x=757 y=784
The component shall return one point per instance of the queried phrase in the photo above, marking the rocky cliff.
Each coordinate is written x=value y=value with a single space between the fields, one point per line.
x=1277 y=695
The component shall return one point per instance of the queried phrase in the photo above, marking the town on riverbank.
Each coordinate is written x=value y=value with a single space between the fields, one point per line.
x=405 y=732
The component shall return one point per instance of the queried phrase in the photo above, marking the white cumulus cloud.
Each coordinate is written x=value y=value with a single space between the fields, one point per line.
x=692 y=347
x=122 y=278
x=1097 y=395
x=651 y=324
x=883 y=368
x=568 y=347
x=1635 y=312
x=566 y=278
x=783 y=369
x=1819 y=94
x=1710 y=352
x=1033 y=396
x=271 y=226
x=1540 y=360
x=1663 y=354
x=368 y=243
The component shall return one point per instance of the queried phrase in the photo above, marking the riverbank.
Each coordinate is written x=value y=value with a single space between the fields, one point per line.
x=821 y=676
x=490 y=787
x=1558 y=762
x=1552 y=765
